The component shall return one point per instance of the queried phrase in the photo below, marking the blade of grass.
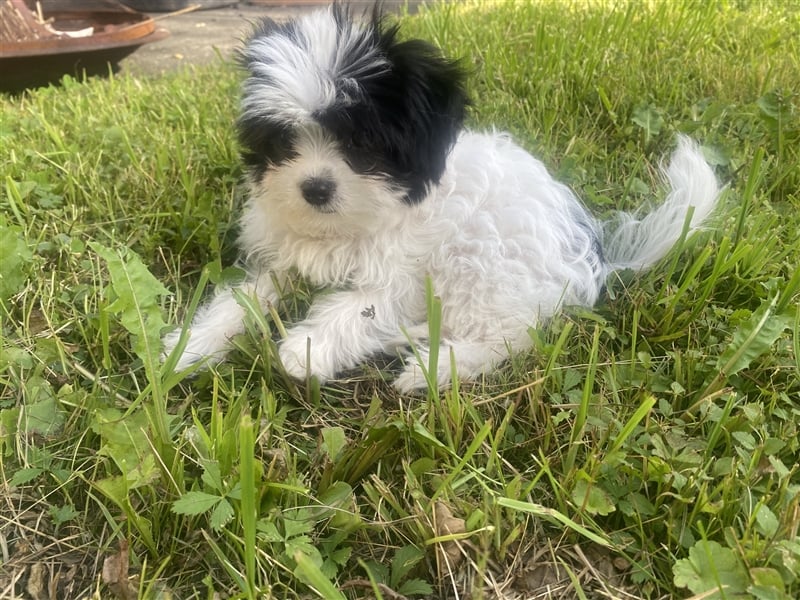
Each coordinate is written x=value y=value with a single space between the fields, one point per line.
x=434 y=307
x=583 y=408
x=484 y=431
x=311 y=574
x=748 y=342
x=248 y=503
x=553 y=515
x=638 y=415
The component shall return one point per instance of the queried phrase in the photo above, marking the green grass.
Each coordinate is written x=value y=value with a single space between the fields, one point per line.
x=645 y=449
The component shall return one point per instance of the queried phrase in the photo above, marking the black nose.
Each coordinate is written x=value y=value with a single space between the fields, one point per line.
x=318 y=191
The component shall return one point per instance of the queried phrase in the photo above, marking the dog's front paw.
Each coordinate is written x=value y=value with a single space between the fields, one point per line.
x=301 y=356
x=202 y=345
x=169 y=342
x=413 y=379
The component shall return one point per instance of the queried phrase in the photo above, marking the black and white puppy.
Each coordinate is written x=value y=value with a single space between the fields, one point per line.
x=362 y=180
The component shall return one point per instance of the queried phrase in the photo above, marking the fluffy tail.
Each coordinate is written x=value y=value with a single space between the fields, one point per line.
x=635 y=241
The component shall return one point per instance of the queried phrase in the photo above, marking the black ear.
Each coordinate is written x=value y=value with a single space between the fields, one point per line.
x=423 y=100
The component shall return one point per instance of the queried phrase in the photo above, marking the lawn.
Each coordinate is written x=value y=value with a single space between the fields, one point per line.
x=645 y=449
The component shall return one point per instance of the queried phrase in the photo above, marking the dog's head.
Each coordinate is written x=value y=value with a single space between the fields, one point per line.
x=340 y=119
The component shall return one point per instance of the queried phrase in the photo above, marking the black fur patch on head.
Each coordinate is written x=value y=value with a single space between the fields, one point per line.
x=396 y=109
x=264 y=144
x=401 y=120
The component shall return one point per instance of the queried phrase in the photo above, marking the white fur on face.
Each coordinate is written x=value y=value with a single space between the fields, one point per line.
x=361 y=204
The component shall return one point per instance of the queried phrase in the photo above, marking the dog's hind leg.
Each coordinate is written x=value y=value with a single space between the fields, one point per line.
x=471 y=359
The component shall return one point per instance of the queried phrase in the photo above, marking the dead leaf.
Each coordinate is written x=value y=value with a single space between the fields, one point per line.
x=446 y=524
x=115 y=574
x=37 y=586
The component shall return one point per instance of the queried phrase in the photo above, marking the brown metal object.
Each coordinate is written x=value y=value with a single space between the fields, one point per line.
x=18 y=23
x=34 y=52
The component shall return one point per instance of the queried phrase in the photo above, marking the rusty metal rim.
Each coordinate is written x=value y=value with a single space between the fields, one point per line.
x=131 y=32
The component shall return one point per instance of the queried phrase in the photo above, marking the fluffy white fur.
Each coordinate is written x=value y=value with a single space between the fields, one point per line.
x=504 y=244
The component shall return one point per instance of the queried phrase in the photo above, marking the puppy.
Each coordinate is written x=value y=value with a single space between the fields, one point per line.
x=363 y=181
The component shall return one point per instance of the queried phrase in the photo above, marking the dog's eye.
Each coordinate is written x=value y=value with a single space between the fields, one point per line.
x=359 y=153
x=359 y=139
x=265 y=143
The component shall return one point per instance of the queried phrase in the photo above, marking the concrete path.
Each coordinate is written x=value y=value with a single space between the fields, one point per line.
x=201 y=36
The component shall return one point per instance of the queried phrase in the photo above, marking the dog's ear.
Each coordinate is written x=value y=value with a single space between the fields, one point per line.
x=434 y=85
x=423 y=95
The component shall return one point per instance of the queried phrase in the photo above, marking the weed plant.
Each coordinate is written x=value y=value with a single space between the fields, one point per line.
x=644 y=449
